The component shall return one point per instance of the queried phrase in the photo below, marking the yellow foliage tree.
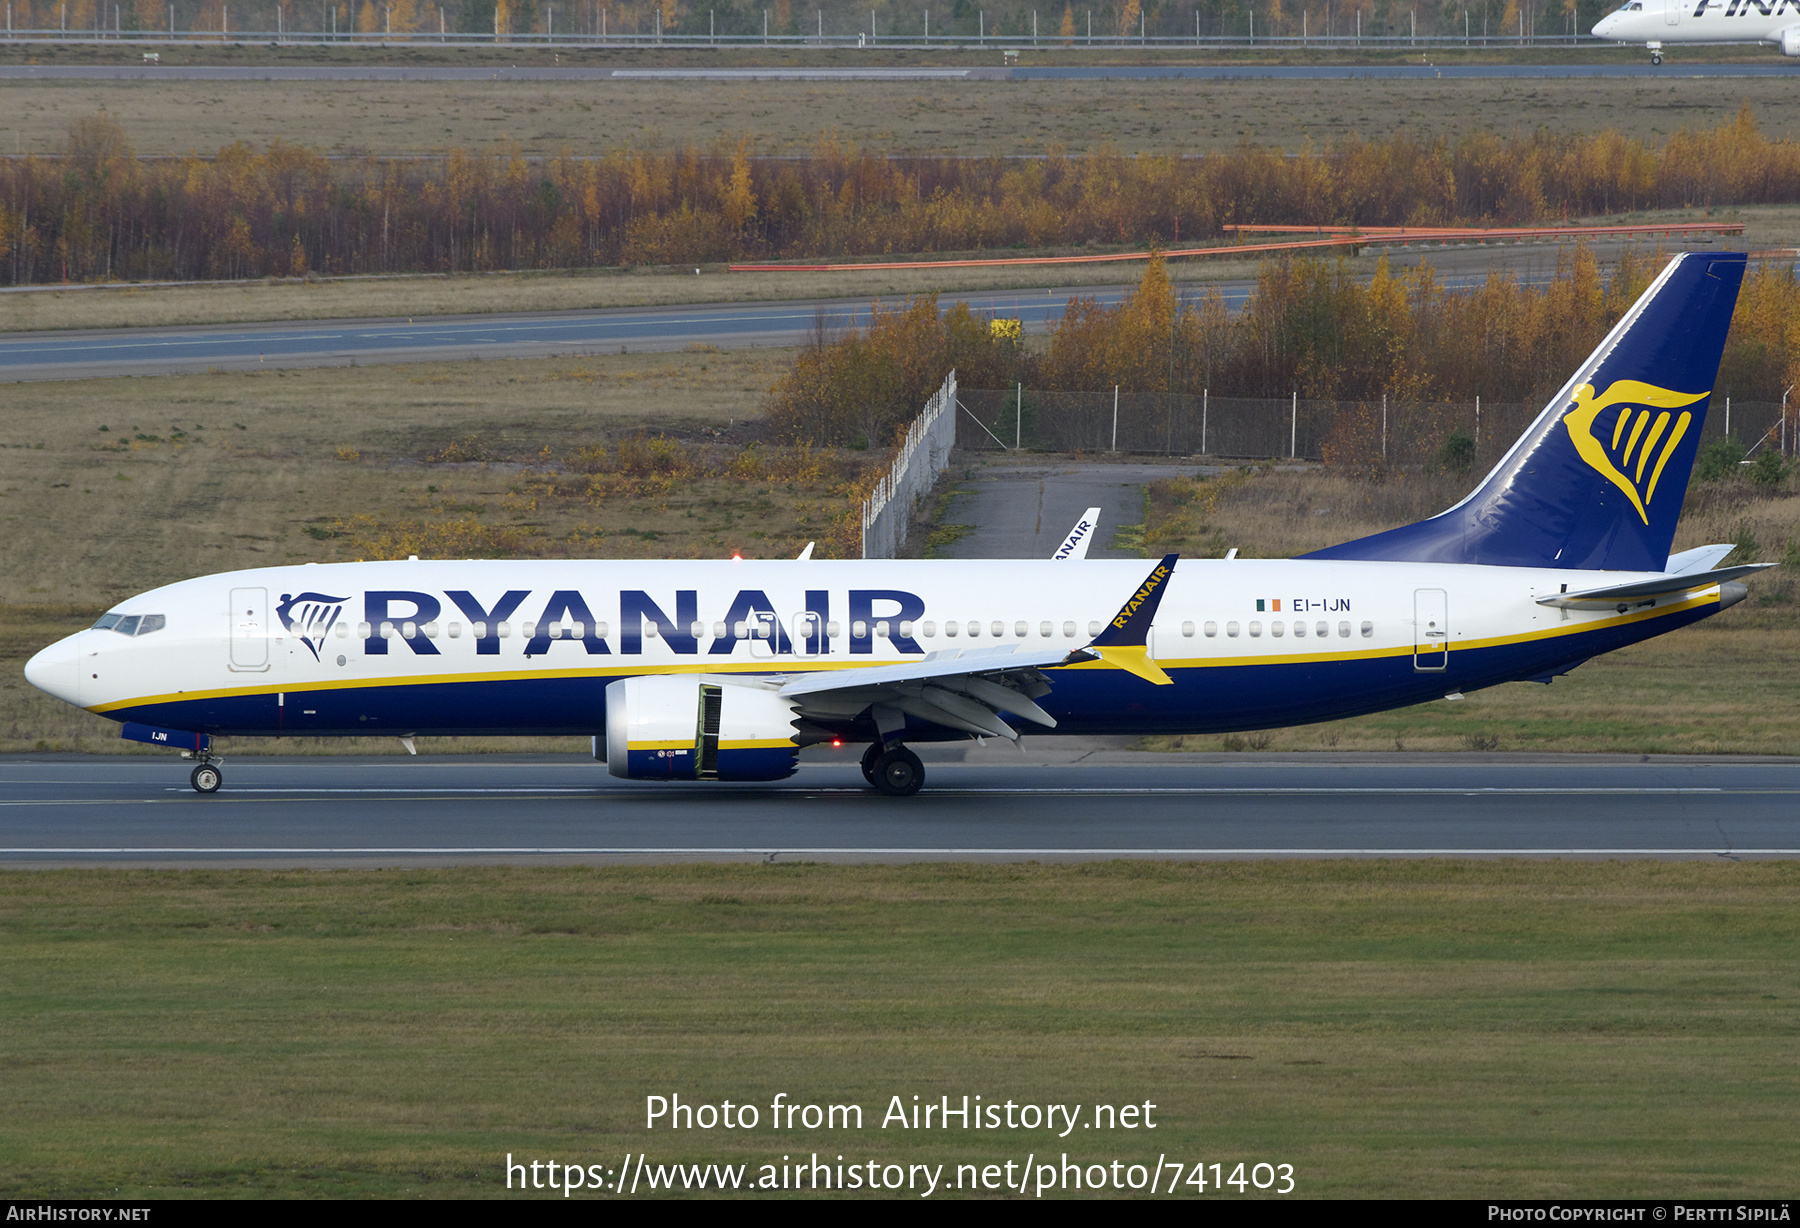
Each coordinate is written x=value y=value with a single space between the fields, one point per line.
x=404 y=16
x=1067 y=29
x=1128 y=17
x=369 y=20
x=740 y=197
x=151 y=14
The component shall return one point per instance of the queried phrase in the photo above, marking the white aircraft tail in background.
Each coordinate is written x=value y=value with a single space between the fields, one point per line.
x=1075 y=545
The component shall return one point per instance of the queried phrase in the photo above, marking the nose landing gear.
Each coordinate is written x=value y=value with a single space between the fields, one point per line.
x=1655 y=50
x=206 y=778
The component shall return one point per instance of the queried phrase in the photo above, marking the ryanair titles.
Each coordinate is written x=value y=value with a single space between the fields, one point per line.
x=566 y=617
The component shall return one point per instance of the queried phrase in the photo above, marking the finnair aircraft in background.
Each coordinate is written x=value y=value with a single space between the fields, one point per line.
x=687 y=670
x=1664 y=23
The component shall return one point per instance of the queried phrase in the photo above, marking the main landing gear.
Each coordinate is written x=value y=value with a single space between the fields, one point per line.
x=893 y=769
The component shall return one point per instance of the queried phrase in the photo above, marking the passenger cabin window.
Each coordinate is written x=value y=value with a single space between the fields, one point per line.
x=1212 y=630
x=1187 y=630
x=1368 y=629
x=1231 y=629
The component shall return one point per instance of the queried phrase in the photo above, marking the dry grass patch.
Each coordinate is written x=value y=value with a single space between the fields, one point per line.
x=965 y=117
x=207 y=473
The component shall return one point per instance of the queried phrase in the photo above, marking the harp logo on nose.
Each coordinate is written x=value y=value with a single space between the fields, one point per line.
x=1628 y=433
x=310 y=616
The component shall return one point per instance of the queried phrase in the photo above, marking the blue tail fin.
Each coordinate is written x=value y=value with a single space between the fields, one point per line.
x=1598 y=480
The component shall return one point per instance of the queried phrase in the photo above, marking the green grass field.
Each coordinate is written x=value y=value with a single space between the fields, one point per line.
x=1550 y=1029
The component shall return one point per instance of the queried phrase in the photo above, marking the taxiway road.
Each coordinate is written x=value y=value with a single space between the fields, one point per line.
x=1635 y=67
x=86 y=354
x=326 y=343
x=1079 y=802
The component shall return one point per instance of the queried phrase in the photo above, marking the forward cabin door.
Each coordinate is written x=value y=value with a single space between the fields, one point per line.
x=1431 y=629
x=250 y=629
x=1671 y=12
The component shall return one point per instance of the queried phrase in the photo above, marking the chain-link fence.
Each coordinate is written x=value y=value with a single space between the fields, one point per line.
x=1338 y=432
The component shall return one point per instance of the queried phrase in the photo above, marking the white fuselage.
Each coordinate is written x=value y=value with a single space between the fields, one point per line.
x=398 y=647
x=1669 y=22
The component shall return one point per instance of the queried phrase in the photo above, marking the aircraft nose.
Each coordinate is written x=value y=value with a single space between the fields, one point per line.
x=1603 y=25
x=57 y=671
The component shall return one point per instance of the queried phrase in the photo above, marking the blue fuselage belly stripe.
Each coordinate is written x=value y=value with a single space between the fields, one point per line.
x=1203 y=699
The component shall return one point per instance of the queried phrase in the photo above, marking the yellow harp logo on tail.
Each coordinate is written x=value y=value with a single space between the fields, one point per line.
x=1630 y=446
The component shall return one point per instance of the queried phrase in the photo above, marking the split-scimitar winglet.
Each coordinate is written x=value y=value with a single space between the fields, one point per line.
x=1125 y=641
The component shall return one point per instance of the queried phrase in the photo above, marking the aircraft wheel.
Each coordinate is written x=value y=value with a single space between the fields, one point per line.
x=1656 y=57
x=206 y=779
x=868 y=761
x=898 y=773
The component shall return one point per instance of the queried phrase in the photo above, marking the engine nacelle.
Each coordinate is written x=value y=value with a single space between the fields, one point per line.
x=682 y=727
x=1790 y=41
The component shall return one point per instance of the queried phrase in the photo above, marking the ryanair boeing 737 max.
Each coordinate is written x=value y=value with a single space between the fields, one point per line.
x=688 y=670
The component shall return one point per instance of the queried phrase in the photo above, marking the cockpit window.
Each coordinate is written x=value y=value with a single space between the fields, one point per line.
x=131 y=624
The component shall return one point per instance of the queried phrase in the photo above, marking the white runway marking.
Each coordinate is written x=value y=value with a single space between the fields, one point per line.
x=627 y=851
x=1122 y=791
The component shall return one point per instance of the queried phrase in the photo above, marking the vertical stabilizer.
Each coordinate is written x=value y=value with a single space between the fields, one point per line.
x=1597 y=481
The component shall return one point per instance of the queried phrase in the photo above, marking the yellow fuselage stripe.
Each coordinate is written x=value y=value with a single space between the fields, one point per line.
x=801 y=666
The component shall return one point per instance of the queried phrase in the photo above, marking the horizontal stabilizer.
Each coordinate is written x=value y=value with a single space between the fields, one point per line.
x=1701 y=558
x=1648 y=590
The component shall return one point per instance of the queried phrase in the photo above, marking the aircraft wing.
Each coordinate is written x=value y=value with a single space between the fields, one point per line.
x=933 y=666
x=1645 y=590
x=970 y=688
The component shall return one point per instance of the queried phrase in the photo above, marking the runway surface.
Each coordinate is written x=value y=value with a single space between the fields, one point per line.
x=1637 y=68
x=86 y=354
x=1053 y=803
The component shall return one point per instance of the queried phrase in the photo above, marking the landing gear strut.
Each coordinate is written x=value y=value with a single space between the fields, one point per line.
x=1656 y=57
x=893 y=770
x=206 y=778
